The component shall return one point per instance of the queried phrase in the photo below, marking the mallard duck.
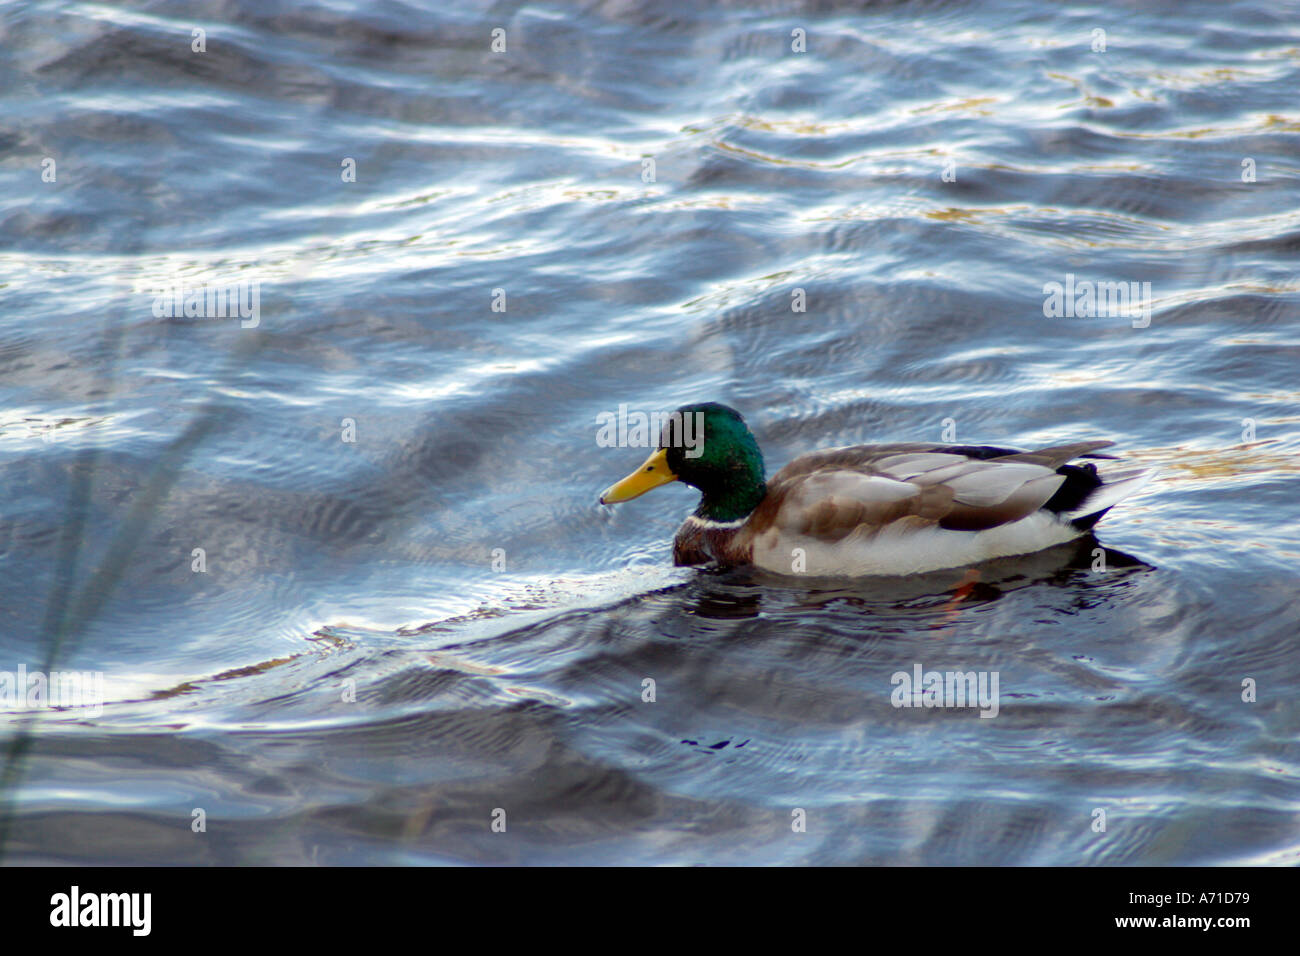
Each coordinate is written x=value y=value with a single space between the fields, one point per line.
x=870 y=509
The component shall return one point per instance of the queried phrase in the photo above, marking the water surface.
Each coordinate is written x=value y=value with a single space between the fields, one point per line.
x=450 y=568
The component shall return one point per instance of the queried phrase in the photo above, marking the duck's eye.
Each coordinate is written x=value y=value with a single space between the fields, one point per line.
x=649 y=467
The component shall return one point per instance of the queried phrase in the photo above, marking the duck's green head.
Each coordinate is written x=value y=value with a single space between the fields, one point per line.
x=708 y=446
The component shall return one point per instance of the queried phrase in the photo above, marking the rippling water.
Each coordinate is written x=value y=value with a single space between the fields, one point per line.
x=624 y=207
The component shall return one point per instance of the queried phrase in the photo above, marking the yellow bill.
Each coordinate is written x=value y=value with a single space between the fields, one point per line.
x=654 y=471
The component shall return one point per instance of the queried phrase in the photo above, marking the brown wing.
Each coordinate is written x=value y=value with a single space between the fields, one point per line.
x=830 y=494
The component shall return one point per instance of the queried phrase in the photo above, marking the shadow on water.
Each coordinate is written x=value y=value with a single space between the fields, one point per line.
x=1083 y=568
